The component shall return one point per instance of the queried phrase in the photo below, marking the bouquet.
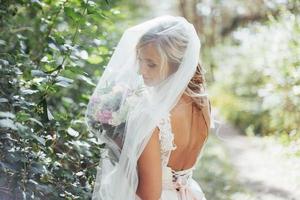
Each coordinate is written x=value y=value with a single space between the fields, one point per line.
x=111 y=105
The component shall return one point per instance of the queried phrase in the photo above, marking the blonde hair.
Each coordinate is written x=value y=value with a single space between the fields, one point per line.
x=171 y=47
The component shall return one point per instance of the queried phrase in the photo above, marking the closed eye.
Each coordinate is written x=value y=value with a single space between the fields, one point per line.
x=152 y=65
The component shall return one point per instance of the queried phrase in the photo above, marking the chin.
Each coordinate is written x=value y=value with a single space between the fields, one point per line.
x=149 y=83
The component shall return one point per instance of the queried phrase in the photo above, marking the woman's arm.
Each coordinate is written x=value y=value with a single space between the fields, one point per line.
x=149 y=170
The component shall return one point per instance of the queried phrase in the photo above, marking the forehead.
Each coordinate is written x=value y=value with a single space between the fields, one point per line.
x=149 y=52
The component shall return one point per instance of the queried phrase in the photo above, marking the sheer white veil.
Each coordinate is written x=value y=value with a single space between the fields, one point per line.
x=123 y=112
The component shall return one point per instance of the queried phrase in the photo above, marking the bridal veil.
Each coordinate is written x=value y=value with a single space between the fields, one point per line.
x=123 y=111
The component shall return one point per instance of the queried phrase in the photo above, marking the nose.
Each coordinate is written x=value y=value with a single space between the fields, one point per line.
x=143 y=70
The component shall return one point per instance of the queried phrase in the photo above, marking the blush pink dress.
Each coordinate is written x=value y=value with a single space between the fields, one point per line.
x=176 y=185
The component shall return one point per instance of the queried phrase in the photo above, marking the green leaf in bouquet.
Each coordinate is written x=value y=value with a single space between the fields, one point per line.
x=72 y=132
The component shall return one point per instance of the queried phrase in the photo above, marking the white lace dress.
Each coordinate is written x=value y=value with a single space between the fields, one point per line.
x=176 y=185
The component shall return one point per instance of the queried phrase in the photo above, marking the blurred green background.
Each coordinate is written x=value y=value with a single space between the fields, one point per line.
x=52 y=52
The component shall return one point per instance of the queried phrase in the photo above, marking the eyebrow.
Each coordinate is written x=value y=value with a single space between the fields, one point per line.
x=148 y=59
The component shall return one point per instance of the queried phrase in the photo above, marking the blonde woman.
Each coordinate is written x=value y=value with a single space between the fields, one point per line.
x=152 y=152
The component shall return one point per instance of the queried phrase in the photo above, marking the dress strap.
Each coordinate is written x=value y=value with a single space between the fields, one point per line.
x=206 y=113
x=166 y=135
x=166 y=138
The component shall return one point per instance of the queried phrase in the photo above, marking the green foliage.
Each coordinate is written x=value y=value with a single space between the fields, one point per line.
x=51 y=54
x=215 y=172
x=258 y=77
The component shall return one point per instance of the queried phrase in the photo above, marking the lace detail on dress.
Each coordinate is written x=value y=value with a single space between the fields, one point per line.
x=166 y=138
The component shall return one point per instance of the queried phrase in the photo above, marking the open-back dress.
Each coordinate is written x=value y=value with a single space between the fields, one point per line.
x=176 y=185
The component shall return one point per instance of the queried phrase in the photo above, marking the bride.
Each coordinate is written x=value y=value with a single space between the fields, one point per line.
x=152 y=114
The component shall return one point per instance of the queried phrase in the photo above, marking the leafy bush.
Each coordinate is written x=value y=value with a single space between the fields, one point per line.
x=258 y=78
x=51 y=54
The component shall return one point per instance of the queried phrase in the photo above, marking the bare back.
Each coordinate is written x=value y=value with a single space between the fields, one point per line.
x=190 y=128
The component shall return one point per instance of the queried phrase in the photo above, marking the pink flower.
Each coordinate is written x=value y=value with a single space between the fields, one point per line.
x=104 y=116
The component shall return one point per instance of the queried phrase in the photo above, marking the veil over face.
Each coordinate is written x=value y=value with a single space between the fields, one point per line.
x=131 y=97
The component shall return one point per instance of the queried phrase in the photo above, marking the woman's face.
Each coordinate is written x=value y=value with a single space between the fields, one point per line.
x=149 y=64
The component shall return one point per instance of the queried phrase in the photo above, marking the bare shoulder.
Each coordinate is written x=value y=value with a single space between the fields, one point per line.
x=149 y=169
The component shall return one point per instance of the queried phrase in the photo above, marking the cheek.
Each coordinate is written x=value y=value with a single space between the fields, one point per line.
x=154 y=77
x=163 y=73
x=157 y=74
